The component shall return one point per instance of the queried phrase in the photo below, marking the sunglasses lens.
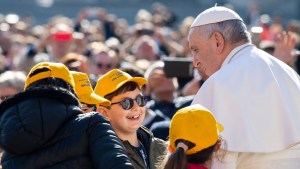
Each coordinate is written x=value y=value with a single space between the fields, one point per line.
x=127 y=104
x=141 y=101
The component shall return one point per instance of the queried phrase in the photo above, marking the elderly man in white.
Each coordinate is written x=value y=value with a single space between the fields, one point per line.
x=254 y=95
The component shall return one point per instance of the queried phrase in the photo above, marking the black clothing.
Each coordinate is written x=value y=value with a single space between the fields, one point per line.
x=161 y=129
x=170 y=108
x=153 y=117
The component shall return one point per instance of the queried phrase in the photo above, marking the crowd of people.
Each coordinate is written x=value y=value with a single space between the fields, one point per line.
x=94 y=92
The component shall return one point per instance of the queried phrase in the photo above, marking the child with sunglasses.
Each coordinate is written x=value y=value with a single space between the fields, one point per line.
x=126 y=114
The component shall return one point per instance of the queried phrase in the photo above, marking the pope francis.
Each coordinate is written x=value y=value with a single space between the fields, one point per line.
x=254 y=95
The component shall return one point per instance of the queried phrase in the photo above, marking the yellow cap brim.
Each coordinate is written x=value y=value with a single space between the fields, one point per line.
x=94 y=99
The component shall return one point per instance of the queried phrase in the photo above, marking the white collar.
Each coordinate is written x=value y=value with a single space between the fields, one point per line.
x=233 y=53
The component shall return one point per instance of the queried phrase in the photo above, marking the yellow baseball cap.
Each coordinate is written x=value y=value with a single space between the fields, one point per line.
x=113 y=80
x=49 y=69
x=84 y=90
x=195 y=124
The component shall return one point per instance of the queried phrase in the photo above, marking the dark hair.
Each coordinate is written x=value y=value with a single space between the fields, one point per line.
x=128 y=86
x=178 y=159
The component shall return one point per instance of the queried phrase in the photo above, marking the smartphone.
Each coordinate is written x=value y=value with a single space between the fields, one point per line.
x=178 y=67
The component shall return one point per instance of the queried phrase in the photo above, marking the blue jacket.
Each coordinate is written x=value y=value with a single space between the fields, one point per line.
x=45 y=128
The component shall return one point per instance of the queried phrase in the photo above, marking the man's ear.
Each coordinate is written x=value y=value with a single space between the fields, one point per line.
x=218 y=145
x=219 y=41
x=103 y=111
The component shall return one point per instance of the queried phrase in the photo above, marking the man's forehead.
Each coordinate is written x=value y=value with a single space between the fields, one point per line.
x=191 y=33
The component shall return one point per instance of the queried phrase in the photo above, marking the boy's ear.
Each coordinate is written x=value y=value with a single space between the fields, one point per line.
x=103 y=111
x=218 y=145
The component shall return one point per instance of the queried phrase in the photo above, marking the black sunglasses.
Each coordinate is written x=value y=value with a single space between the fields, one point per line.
x=128 y=102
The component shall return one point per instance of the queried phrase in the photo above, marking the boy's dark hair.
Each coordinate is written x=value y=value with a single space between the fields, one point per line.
x=128 y=86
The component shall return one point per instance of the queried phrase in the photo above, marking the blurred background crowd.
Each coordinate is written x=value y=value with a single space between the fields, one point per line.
x=136 y=36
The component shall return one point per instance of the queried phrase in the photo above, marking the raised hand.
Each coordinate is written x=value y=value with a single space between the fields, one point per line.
x=285 y=43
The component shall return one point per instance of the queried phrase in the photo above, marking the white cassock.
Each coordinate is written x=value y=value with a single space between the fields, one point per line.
x=257 y=99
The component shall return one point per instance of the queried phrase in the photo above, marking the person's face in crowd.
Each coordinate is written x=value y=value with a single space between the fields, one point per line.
x=61 y=45
x=204 y=52
x=103 y=63
x=126 y=121
x=6 y=92
x=162 y=88
x=145 y=51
